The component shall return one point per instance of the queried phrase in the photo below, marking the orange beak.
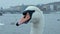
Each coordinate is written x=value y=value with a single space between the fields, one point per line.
x=24 y=19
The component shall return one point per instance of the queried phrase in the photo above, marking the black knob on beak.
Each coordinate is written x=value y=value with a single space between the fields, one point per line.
x=17 y=24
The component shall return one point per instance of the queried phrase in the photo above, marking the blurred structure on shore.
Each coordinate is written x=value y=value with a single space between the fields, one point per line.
x=46 y=8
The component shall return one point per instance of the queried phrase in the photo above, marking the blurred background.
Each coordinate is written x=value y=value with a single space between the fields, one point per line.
x=11 y=12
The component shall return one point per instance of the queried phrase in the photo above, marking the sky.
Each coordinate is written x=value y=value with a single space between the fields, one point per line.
x=8 y=3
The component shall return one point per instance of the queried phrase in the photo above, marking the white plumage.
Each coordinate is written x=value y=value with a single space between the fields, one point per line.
x=37 y=20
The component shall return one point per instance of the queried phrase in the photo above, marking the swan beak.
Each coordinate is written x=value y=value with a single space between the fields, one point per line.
x=24 y=19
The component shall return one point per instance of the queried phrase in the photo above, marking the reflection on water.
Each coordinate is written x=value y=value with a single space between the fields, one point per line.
x=1 y=24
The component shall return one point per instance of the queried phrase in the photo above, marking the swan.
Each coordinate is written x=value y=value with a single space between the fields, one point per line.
x=35 y=16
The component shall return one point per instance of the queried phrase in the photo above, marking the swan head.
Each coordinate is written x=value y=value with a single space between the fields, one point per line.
x=28 y=14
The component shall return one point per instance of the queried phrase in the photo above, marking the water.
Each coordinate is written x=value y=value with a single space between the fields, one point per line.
x=52 y=26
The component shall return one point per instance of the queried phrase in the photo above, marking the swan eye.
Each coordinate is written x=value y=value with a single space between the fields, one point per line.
x=28 y=11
